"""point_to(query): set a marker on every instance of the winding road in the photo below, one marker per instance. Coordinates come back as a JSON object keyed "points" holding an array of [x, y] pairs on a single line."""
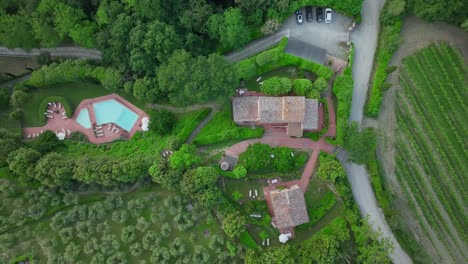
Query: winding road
{"points": [[365, 40]]}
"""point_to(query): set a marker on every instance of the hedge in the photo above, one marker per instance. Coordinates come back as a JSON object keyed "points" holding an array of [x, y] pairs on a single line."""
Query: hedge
{"points": [[58, 99], [302, 87], [277, 86], [238, 133], [74, 70], [276, 58], [389, 39], [343, 90]]}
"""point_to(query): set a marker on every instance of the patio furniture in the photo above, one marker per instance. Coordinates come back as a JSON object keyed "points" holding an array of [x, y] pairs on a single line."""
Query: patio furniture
{"points": [[64, 117], [29, 136], [68, 131], [59, 105], [54, 104], [49, 111], [49, 103], [49, 116]]}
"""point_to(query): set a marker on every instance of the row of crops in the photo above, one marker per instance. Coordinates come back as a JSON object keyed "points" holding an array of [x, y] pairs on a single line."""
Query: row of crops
{"points": [[432, 156]]}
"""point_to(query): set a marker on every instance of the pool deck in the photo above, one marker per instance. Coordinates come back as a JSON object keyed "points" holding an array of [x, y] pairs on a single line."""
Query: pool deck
{"points": [[58, 124]]}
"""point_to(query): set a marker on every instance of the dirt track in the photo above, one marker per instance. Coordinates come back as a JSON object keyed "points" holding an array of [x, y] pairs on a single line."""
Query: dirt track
{"points": [[415, 35]]}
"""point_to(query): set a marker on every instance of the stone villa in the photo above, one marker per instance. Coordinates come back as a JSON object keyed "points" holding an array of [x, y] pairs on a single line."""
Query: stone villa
{"points": [[295, 113]]}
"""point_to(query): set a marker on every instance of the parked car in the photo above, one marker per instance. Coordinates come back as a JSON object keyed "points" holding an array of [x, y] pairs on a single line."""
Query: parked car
{"points": [[328, 15], [319, 14], [299, 16], [309, 12]]}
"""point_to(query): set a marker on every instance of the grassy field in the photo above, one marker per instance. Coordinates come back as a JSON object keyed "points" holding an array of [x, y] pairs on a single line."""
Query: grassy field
{"points": [[150, 210], [432, 156], [222, 127]]}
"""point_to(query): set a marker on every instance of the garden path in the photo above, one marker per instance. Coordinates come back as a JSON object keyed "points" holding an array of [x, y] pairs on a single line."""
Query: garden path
{"points": [[72, 52]]}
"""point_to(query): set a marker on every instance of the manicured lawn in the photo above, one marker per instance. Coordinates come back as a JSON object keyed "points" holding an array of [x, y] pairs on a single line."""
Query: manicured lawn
{"points": [[8, 123], [247, 240], [222, 127]]}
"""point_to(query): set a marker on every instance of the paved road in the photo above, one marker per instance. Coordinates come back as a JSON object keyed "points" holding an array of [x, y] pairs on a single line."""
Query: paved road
{"points": [[365, 40], [257, 46], [72, 52]]}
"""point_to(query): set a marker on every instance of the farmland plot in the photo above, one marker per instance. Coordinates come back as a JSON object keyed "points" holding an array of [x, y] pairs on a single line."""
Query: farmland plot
{"points": [[431, 150]]}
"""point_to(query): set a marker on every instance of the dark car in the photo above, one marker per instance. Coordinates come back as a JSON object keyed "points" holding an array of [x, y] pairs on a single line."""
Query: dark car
{"points": [[319, 14], [299, 16], [309, 12]]}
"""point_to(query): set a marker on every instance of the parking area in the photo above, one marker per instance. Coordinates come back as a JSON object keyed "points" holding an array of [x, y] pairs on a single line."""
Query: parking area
{"points": [[322, 36]]}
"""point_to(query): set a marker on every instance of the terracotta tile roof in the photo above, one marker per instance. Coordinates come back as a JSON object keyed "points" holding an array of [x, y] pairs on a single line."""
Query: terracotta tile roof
{"points": [[270, 109], [294, 129], [245, 109], [289, 207], [311, 116], [293, 108]]}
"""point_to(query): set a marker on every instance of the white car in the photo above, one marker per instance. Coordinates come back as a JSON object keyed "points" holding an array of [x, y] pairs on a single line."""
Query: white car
{"points": [[328, 15]]}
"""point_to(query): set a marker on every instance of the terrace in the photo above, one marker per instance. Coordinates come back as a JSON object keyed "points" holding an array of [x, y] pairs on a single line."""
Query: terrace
{"points": [[103, 119]]}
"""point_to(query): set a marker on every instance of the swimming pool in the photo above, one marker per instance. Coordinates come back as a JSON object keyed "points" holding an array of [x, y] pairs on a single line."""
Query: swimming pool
{"points": [[83, 118], [112, 111]]}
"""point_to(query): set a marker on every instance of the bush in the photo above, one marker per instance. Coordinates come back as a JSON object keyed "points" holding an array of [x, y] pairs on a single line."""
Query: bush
{"points": [[240, 172], [276, 86], [74, 70], [16, 114], [247, 68], [57, 99], [4, 98], [343, 89], [320, 84], [302, 87], [19, 98], [268, 57]]}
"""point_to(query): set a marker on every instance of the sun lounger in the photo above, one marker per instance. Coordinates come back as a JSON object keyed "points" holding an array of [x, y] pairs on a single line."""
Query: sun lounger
{"points": [[49, 103], [117, 131], [46, 113], [54, 104], [109, 127], [49, 116], [99, 127], [59, 105], [29, 136], [49, 111], [64, 117]]}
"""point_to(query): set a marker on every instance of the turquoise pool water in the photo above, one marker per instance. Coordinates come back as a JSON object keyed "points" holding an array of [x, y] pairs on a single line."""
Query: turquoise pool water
{"points": [[112, 111], [83, 118]]}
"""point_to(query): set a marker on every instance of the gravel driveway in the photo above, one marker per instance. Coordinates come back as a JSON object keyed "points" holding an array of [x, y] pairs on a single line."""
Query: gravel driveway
{"points": [[329, 37], [365, 40], [73, 52]]}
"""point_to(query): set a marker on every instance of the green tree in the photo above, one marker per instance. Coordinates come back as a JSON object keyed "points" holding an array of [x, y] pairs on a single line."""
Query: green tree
{"points": [[232, 30], [161, 121], [7, 146], [161, 173], [4, 98], [83, 34], [360, 145], [258, 156], [184, 158], [19, 98], [145, 90], [54, 170], [276, 86], [200, 183], [188, 80], [66, 18], [281, 254], [46, 142], [240, 172], [22, 163], [16, 114], [233, 224], [15, 31], [320, 84], [302, 86], [195, 17], [330, 169], [372, 247]]}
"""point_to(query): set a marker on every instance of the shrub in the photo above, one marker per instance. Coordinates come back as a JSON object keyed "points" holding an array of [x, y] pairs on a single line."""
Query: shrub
{"points": [[16, 114], [268, 57], [57, 99], [320, 84], [4, 98], [276, 86], [314, 94], [240, 172], [247, 68], [19, 98], [236, 196], [302, 87]]}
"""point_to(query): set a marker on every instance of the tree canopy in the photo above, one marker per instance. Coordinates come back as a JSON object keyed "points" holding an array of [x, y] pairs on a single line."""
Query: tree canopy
{"points": [[360, 145]]}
